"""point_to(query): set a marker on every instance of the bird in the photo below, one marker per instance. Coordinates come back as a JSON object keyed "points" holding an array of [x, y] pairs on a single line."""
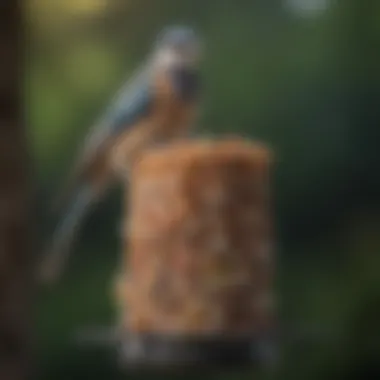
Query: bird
{"points": [[157, 104]]}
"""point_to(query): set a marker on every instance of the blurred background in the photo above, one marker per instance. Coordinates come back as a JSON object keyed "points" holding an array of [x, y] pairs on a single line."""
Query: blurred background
{"points": [[301, 75]]}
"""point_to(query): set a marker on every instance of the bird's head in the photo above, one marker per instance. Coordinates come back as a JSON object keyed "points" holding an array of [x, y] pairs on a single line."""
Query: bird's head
{"points": [[177, 47]]}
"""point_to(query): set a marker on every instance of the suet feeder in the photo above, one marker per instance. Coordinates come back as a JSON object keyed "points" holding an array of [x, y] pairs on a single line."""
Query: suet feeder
{"points": [[196, 283]]}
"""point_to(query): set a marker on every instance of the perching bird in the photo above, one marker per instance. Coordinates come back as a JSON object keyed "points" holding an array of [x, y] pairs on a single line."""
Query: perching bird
{"points": [[158, 104]]}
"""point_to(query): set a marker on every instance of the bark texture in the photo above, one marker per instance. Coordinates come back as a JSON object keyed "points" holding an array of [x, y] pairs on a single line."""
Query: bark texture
{"points": [[15, 258]]}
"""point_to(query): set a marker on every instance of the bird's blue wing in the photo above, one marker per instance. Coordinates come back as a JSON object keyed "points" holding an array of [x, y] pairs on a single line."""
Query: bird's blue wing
{"points": [[132, 103], [123, 114], [129, 110]]}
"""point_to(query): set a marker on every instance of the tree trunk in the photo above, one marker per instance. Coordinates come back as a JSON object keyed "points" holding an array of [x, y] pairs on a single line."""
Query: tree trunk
{"points": [[15, 264]]}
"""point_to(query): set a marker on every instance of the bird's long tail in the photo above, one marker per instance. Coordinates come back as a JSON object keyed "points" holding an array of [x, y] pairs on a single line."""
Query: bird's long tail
{"points": [[65, 234]]}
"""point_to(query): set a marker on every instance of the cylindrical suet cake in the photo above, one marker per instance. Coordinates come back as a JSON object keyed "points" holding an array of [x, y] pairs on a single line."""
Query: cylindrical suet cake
{"points": [[198, 262]]}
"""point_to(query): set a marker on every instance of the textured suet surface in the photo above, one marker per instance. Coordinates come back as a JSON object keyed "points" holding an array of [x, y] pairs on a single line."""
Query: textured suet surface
{"points": [[199, 257]]}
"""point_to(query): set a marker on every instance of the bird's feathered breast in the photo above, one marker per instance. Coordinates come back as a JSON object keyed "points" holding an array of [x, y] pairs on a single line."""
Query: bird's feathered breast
{"points": [[175, 98]]}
